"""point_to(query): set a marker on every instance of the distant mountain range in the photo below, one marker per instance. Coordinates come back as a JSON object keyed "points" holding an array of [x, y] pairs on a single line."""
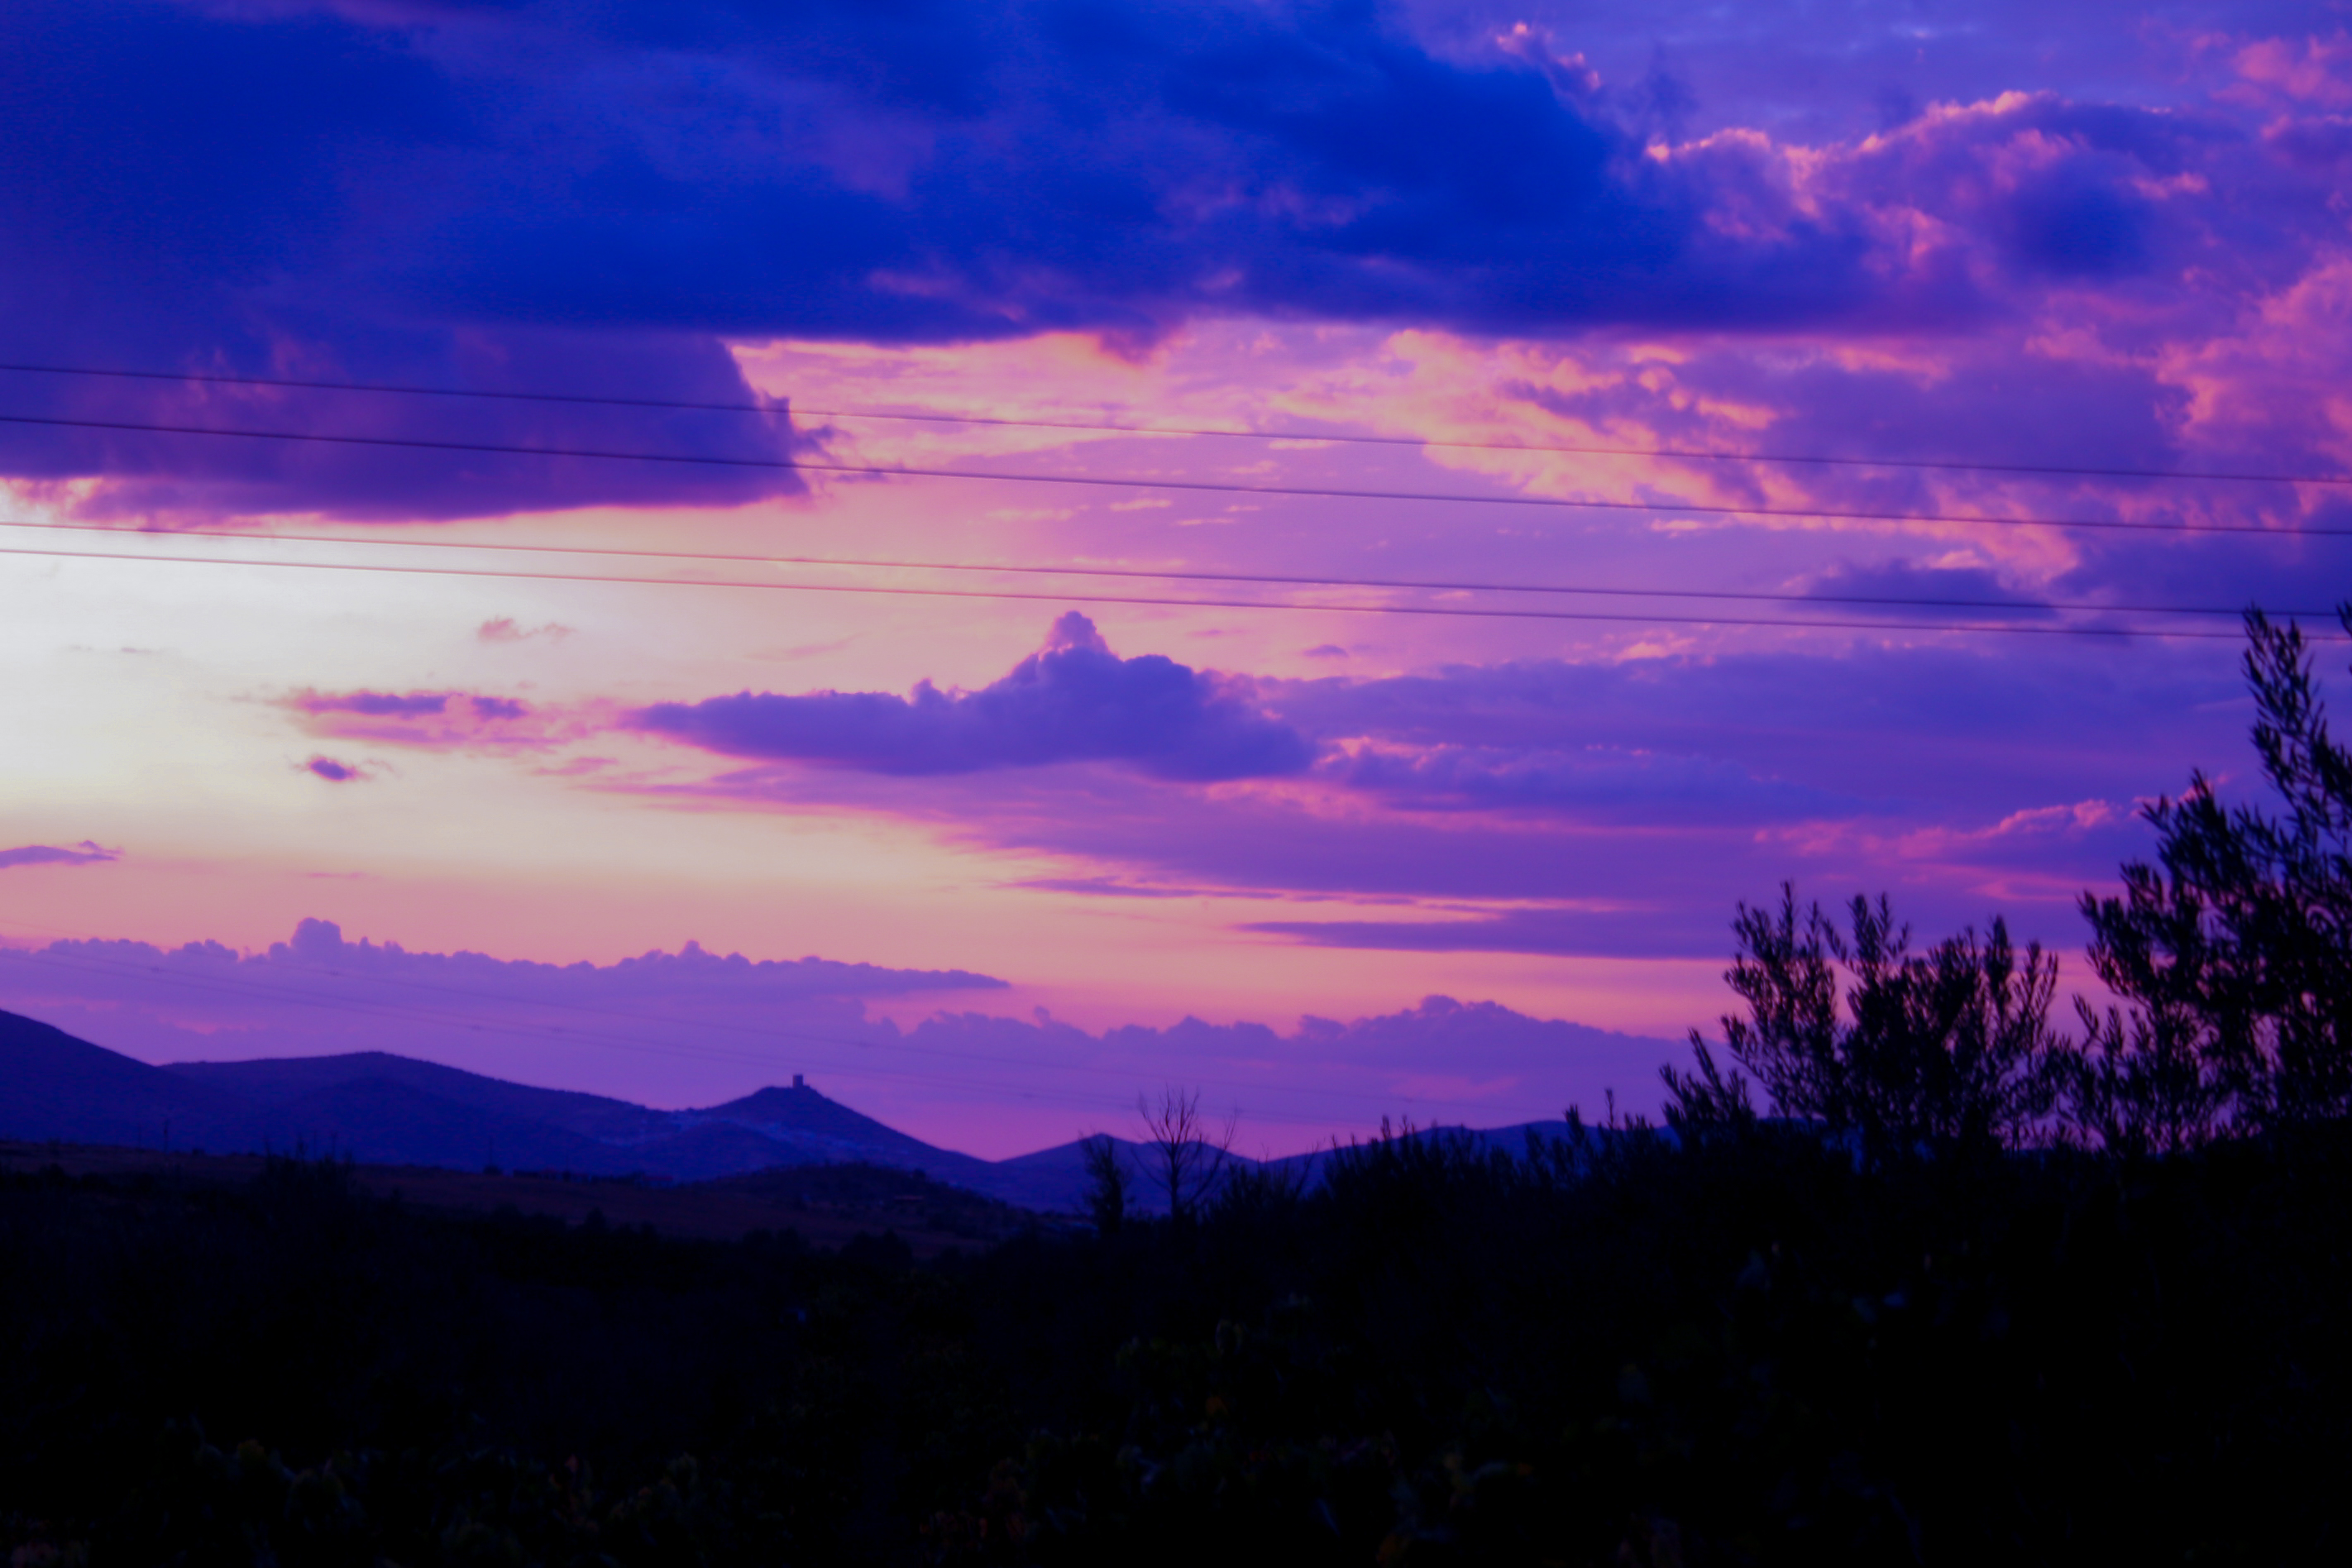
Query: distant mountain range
{"points": [[379, 1109]]}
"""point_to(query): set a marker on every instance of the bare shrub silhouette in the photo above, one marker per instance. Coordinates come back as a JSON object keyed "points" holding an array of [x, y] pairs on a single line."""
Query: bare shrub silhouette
{"points": [[1187, 1161]]}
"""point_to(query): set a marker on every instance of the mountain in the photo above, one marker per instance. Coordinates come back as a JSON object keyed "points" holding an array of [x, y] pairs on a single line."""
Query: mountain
{"points": [[53, 1085], [389, 1110], [824, 1132], [383, 1121], [1055, 1178], [282, 1080]]}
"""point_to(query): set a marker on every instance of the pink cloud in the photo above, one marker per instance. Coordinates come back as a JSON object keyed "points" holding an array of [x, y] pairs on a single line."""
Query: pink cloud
{"points": [[443, 720], [2308, 71], [506, 629]]}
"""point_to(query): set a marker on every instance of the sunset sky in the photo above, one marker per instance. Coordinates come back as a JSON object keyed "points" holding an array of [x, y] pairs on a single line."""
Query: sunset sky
{"points": [[1444, 500]]}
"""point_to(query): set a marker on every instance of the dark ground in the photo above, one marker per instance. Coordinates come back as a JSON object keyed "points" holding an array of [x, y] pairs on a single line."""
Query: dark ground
{"points": [[827, 1204], [1615, 1355]]}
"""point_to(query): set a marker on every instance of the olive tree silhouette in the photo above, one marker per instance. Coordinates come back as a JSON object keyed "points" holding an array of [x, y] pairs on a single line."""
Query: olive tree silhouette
{"points": [[2235, 948], [2138, 1086], [1186, 1163], [1948, 1050]]}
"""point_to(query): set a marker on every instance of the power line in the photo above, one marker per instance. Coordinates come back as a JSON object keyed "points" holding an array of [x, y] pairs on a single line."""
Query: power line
{"points": [[1452, 611], [1105, 427], [1218, 487], [1141, 573]]}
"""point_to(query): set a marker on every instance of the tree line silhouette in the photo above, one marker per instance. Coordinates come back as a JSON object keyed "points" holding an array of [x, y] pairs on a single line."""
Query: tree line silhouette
{"points": [[2232, 954], [1909, 1275]]}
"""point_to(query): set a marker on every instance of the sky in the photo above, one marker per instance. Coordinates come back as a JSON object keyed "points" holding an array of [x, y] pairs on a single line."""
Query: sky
{"points": [[1006, 557]]}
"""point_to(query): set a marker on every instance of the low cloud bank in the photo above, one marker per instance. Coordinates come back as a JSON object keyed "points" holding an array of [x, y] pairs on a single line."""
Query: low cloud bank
{"points": [[693, 1028]]}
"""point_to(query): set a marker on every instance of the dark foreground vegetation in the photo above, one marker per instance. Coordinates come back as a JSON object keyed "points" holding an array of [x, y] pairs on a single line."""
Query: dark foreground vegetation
{"points": [[1748, 1352], [1911, 1276]]}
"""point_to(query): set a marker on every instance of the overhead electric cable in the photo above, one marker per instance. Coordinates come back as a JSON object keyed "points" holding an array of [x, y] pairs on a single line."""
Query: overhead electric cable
{"points": [[2060, 470], [1219, 487], [1457, 611], [1143, 573]]}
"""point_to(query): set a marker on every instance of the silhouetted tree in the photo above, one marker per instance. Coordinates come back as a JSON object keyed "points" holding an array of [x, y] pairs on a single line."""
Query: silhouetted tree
{"points": [[2235, 948], [1185, 1161], [1948, 1050], [2137, 1084]]}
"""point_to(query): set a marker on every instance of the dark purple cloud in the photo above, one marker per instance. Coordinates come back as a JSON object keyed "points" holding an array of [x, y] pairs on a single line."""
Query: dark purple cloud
{"points": [[375, 704], [408, 704], [1074, 702], [1951, 729], [1933, 590], [1594, 782], [332, 770], [586, 198], [83, 854]]}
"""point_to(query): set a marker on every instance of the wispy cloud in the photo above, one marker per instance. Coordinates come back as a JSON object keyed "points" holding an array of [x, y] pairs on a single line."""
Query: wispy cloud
{"points": [[83, 854]]}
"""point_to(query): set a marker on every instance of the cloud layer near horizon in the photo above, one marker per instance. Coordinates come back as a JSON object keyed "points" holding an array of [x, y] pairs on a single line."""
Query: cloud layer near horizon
{"points": [[692, 1026]]}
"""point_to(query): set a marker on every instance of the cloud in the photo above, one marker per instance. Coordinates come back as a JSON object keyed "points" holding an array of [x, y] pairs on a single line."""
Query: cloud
{"points": [[210, 981], [1596, 781], [504, 629], [1074, 702], [1937, 588], [83, 854], [444, 719], [335, 772], [1440, 1060], [596, 200], [1951, 728], [1614, 932], [375, 704]]}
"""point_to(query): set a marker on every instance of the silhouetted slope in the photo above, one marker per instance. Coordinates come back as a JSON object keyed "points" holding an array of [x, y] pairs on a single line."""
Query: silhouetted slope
{"points": [[721, 1149], [821, 1130], [383, 1122], [1057, 1178], [53, 1085], [278, 1080]]}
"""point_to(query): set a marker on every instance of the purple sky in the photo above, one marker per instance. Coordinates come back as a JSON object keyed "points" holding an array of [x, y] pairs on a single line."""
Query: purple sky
{"points": [[1033, 823]]}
